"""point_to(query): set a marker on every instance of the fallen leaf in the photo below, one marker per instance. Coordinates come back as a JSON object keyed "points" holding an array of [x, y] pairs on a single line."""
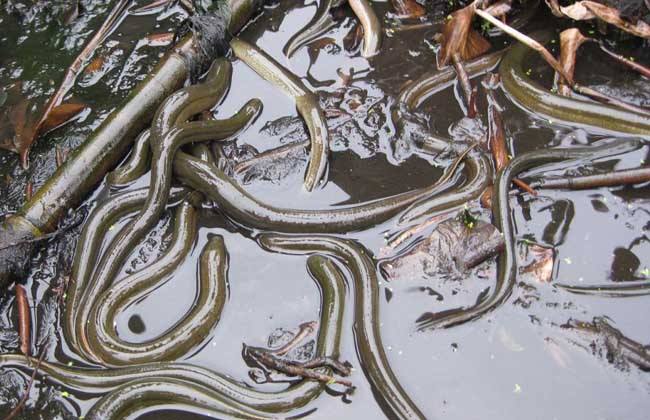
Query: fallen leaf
{"points": [[586, 10], [541, 267], [577, 11], [408, 9], [95, 65], [458, 37], [570, 40], [61, 115]]}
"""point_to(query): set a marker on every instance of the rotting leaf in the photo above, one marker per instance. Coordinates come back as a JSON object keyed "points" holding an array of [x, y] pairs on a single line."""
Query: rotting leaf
{"points": [[458, 37], [586, 10], [61, 115], [19, 123], [95, 65], [408, 9], [570, 40], [541, 266], [26, 133]]}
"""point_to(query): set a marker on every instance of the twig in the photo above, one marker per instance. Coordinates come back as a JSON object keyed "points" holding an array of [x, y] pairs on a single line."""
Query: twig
{"points": [[643, 70], [268, 360], [24, 320], [622, 177]]}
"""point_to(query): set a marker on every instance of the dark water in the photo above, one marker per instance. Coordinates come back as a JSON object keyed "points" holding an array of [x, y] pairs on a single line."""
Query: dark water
{"points": [[514, 363]]}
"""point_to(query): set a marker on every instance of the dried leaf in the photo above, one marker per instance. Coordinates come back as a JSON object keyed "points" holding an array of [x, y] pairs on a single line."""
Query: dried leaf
{"points": [[95, 65], [24, 320], [585, 10], [541, 268], [475, 46], [455, 33], [570, 40], [61, 115], [408, 9], [577, 11], [499, 9], [459, 38]]}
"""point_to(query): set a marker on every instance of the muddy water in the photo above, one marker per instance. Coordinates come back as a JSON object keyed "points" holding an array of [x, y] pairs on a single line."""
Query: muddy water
{"points": [[515, 363]]}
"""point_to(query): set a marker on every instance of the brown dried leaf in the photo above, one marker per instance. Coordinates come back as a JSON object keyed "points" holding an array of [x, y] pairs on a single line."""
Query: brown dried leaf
{"points": [[455, 33], [22, 120], [585, 10], [408, 9], [95, 65], [541, 268], [570, 40], [61, 115], [499, 9], [475, 46], [459, 38], [577, 11]]}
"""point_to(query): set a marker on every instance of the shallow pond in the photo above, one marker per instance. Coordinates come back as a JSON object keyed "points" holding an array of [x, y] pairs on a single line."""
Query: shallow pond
{"points": [[517, 361]]}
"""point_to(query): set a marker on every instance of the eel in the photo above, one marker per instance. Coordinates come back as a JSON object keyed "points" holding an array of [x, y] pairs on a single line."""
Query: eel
{"points": [[318, 25], [195, 325], [534, 98], [507, 260], [108, 144], [387, 390], [120, 247], [479, 176], [306, 103], [193, 379], [371, 27], [89, 244], [135, 166], [416, 92], [247, 210]]}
